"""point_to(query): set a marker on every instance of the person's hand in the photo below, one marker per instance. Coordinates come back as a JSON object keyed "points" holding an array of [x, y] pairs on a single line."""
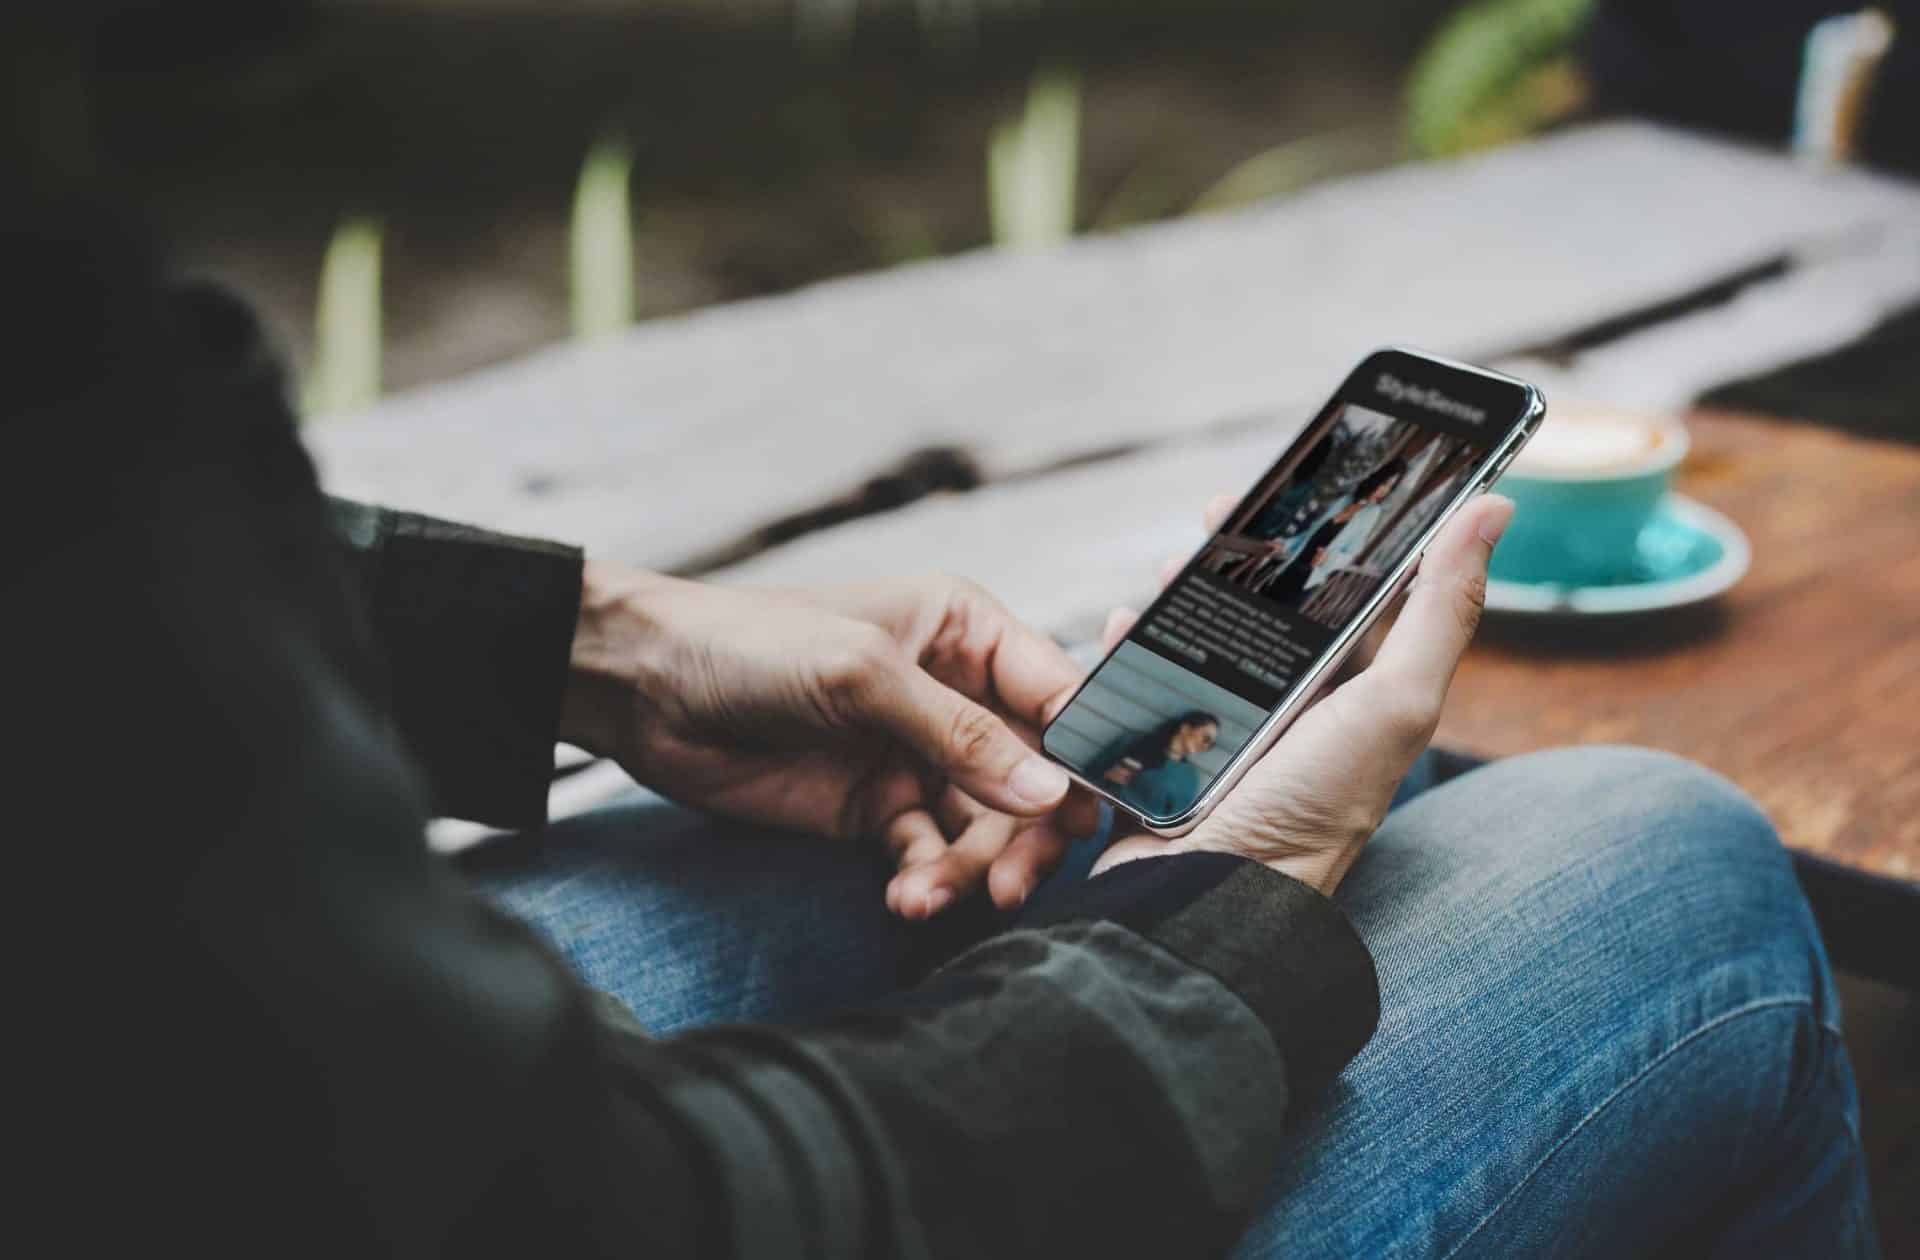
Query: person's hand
{"points": [[1311, 803], [900, 711]]}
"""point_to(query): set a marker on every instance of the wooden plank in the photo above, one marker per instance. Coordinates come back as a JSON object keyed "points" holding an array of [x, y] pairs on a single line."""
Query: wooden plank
{"points": [[1060, 550], [1145, 502], [688, 432], [1802, 686], [1836, 292]]}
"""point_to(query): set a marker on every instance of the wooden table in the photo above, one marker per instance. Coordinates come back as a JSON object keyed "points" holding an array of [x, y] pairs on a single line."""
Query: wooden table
{"points": [[1089, 398], [1802, 684]]}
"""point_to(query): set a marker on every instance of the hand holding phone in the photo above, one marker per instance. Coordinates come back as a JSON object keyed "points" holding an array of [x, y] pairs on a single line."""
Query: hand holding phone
{"points": [[1256, 626], [1311, 803]]}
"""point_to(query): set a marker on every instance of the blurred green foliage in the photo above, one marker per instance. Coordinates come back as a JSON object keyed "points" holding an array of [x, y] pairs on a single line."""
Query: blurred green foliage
{"points": [[1289, 168], [1494, 70], [346, 327], [600, 241], [1033, 165]]}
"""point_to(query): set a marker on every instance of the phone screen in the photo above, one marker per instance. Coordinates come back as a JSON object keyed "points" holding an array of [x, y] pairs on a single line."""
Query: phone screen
{"points": [[1300, 561]]}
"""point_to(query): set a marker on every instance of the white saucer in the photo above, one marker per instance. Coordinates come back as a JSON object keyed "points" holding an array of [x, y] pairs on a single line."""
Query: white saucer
{"points": [[1688, 554]]}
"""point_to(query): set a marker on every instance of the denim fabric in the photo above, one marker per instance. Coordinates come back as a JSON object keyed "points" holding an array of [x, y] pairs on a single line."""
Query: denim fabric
{"points": [[1607, 1028], [1607, 1025]]}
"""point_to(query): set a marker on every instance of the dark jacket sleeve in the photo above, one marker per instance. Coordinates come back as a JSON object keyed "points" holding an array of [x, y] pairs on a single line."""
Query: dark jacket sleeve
{"points": [[314, 1038], [1112, 1081], [474, 629]]}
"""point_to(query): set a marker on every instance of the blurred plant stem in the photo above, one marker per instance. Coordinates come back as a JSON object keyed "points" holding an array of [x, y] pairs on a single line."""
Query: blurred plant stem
{"points": [[600, 241], [1160, 185], [1033, 165], [1152, 188], [346, 323], [1494, 71], [1290, 167]]}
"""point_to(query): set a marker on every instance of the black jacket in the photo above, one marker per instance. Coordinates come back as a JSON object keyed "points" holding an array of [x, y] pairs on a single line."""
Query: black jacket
{"points": [[264, 1019]]}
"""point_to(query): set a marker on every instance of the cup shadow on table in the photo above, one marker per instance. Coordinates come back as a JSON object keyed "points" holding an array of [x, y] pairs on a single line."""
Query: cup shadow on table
{"points": [[1609, 637]]}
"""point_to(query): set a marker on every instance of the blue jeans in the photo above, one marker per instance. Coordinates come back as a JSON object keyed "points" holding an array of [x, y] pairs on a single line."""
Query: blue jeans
{"points": [[1607, 1024]]}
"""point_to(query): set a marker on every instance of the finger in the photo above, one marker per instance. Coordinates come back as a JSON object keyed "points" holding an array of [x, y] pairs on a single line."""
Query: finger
{"points": [[1078, 815], [1029, 676], [965, 742], [1119, 622], [928, 888], [1130, 849], [1031, 855], [1369, 645], [955, 811], [914, 839], [1443, 606], [874, 805]]}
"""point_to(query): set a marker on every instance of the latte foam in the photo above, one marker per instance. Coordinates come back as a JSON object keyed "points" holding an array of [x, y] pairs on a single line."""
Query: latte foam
{"points": [[1589, 445]]}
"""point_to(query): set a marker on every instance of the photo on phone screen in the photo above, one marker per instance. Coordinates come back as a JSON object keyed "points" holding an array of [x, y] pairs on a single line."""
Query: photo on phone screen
{"points": [[1297, 562]]}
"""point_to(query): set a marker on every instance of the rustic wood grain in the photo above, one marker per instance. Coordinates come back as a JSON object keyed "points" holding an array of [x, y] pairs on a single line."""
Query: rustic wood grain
{"points": [[1802, 684], [686, 434]]}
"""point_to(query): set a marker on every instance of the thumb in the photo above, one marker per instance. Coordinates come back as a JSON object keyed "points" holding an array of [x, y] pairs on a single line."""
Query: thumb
{"points": [[973, 748], [1444, 605]]}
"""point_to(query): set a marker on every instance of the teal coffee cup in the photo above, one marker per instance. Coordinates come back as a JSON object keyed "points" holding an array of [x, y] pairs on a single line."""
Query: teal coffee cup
{"points": [[1583, 489]]}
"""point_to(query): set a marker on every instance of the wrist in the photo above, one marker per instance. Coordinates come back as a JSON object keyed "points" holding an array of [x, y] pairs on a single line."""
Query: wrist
{"points": [[1321, 872], [617, 641], [1320, 869]]}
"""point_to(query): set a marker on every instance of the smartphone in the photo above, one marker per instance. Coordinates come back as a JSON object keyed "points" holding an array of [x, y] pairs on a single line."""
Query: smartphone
{"points": [[1260, 619]]}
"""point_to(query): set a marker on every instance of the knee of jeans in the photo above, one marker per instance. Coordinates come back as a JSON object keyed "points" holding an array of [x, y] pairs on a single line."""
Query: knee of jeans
{"points": [[1600, 794], [1690, 854]]}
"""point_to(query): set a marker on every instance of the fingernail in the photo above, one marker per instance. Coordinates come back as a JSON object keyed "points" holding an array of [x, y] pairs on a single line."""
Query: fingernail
{"points": [[937, 901], [1494, 523], [1040, 782]]}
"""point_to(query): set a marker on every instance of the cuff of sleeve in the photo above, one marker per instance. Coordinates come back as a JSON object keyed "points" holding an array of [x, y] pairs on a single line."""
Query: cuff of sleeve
{"points": [[478, 628], [1287, 951]]}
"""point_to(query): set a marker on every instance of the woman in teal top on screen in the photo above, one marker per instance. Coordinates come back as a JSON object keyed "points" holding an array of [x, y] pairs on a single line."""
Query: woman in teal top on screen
{"points": [[1154, 773]]}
